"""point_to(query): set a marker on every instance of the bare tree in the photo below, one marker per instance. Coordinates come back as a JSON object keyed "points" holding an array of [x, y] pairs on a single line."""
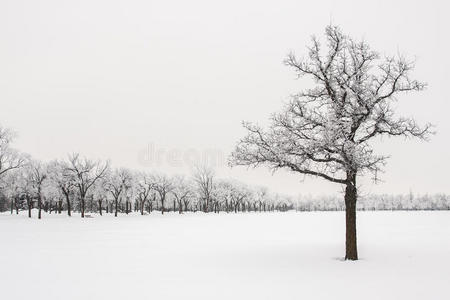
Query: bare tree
{"points": [[144, 188], [204, 178], [116, 184], [11, 186], [129, 192], [183, 193], [86, 172], [326, 131], [261, 198], [10, 159], [37, 176], [99, 192], [65, 181], [26, 188], [238, 194], [163, 186]]}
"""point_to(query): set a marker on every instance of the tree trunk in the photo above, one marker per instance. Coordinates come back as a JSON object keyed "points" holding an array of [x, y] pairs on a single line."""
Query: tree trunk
{"points": [[351, 252], [82, 205], [100, 207], [30, 206], [39, 204], [115, 212], [68, 205]]}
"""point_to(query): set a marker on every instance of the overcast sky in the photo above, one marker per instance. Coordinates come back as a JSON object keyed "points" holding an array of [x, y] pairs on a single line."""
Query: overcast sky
{"points": [[157, 85]]}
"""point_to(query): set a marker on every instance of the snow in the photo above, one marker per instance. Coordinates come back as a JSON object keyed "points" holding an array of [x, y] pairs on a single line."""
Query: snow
{"points": [[404, 255]]}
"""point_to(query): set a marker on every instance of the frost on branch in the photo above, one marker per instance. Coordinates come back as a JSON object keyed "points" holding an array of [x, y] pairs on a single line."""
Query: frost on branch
{"points": [[326, 131]]}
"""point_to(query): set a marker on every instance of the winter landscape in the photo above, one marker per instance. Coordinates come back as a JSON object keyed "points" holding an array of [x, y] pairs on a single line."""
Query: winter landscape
{"points": [[224, 150]]}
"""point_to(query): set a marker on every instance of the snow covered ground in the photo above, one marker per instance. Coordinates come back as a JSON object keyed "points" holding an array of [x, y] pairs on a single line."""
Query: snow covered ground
{"points": [[404, 255]]}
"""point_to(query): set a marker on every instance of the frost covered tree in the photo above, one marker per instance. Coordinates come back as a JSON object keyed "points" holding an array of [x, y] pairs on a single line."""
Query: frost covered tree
{"points": [[182, 192], [10, 159], [163, 185], [64, 180], [117, 183], [85, 173], [144, 188], [99, 194], [326, 131], [11, 187], [204, 179], [261, 197], [37, 176], [239, 193]]}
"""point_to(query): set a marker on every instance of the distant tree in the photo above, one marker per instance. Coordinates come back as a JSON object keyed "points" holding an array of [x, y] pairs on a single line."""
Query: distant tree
{"points": [[163, 185], [204, 178], [144, 187], [239, 193], [99, 193], [116, 184], [182, 192], [261, 197], [10, 159], [85, 172], [129, 193], [37, 175], [64, 179], [222, 192], [11, 185], [326, 131]]}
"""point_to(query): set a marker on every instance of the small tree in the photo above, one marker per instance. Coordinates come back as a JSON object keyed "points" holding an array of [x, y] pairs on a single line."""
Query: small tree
{"points": [[326, 131]]}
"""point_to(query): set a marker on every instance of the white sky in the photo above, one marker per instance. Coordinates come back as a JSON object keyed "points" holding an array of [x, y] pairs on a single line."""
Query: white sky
{"points": [[111, 79]]}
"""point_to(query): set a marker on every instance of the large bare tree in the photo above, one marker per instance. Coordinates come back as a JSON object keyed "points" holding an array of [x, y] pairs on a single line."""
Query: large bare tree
{"points": [[326, 131]]}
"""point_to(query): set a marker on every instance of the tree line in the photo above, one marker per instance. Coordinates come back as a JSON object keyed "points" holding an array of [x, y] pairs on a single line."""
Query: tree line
{"points": [[406, 202], [82, 185]]}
